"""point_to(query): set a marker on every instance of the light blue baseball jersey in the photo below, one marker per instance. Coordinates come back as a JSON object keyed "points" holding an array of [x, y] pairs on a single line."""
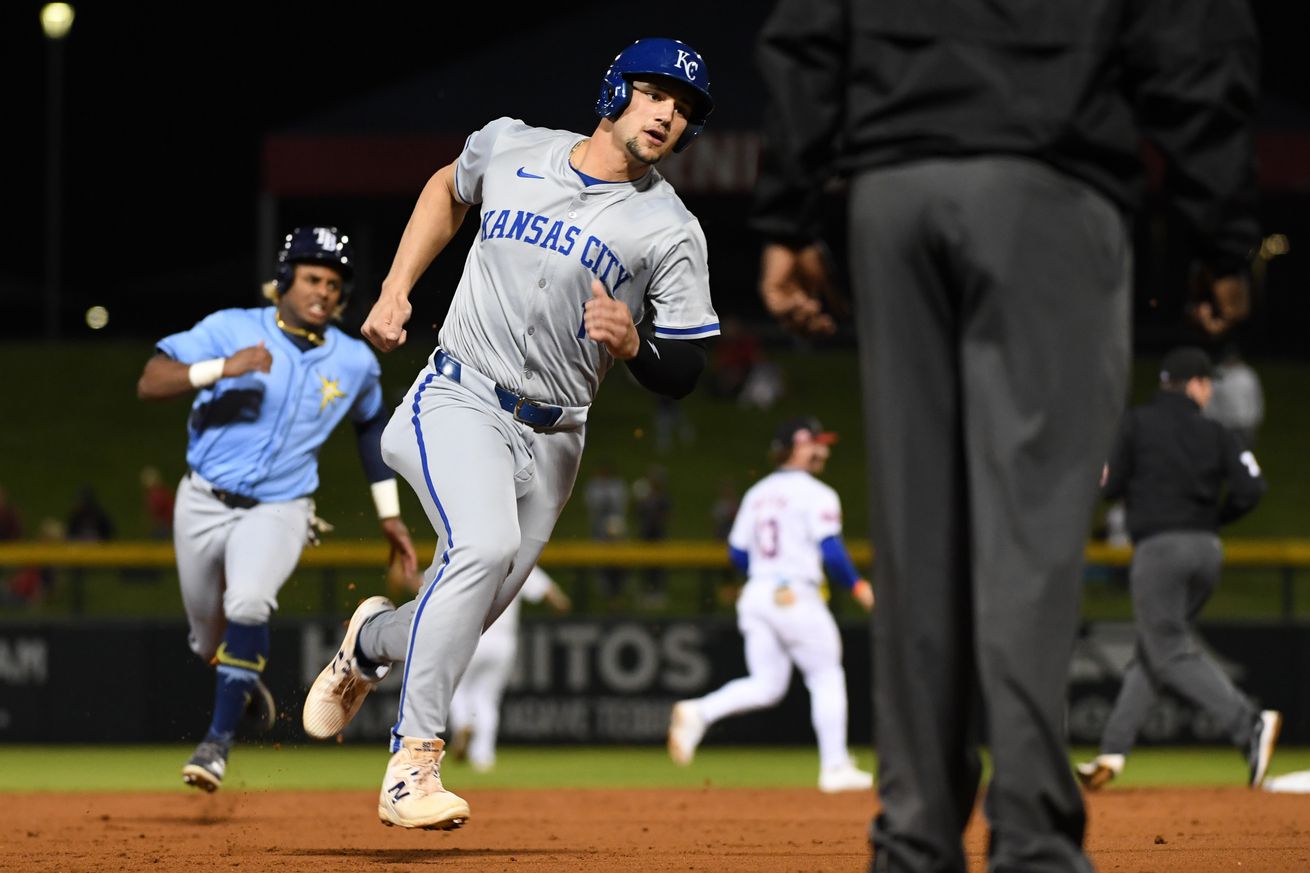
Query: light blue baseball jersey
{"points": [[544, 235], [259, 434]]}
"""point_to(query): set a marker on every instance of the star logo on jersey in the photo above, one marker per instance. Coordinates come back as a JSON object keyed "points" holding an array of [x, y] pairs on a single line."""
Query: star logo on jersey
{"points": [[524, 174], [331, 390]]}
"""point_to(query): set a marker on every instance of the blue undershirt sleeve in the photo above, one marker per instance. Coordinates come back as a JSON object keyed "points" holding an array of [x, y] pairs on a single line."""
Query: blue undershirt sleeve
{"points": [[368, 436], [837, 562], [740, 558]]}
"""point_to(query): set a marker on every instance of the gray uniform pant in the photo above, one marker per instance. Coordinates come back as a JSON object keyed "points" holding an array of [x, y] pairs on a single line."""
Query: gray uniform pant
{"points": [[231, 563], [1172, 576], [492, 489], [992, 304]]}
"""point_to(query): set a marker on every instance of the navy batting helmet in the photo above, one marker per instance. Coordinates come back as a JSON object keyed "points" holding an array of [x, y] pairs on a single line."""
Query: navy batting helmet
{"points": [[805, 428], [315, 245], [661, 58]]}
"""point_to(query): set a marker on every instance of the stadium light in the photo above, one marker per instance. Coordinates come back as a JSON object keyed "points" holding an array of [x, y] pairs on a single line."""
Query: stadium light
{"points": [[56, 21]]}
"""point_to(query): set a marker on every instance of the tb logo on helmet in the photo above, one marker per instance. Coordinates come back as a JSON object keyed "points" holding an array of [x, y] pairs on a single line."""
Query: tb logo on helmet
{"points": [[316, 245], [327, 238]]}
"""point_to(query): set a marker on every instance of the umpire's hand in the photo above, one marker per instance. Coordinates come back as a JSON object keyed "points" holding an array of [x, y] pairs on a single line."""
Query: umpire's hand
{"points": [[793, 282], [1226, 301]]}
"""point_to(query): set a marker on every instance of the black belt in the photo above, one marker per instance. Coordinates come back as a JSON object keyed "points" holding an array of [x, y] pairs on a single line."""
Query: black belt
{"points": [[231, 499], [530, 412]]}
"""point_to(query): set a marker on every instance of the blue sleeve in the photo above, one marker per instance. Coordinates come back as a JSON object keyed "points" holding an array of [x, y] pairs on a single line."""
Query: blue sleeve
{"points": [[370, 417], [369, 404], [740, 558], [368, 438], [837, 562], [208, 339]]}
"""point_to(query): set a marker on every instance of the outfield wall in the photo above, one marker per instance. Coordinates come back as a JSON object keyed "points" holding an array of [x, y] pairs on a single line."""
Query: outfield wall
{"points": [[579, 681]]}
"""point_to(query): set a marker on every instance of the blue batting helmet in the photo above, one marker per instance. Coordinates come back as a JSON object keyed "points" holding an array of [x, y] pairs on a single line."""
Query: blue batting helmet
{"points": [[315, 245], [662, 58]]}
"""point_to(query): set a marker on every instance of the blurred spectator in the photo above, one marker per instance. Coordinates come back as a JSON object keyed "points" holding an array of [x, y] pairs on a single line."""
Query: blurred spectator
{"points": [[30, 585], [87, 521], [724, 509], [11, 523], [1238, 400], [672, 427], [606, 498], [722, 513], [11, 528], [764, 386], [653, 507], [158, 504], [741, 370], [1116, 525], [736, 353], [1113, 531]]}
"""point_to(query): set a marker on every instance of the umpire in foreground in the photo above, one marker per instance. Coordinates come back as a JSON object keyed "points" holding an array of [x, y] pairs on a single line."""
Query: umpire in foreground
{"points": [[1182, 476], [993, 157]]}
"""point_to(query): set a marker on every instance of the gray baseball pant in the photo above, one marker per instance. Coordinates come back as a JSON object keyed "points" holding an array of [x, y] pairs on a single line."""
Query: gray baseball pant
{"points": [[231, 563], [1172, 576], [992, 301], [492, 489]]}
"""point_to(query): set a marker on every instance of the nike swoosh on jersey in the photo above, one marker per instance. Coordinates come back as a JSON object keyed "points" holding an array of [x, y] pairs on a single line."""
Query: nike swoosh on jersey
{"points": [[525, 175]]}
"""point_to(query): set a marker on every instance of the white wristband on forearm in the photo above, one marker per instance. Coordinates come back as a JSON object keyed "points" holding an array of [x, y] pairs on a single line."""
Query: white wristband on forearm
{"points": [[205, 373], [386, 497]]}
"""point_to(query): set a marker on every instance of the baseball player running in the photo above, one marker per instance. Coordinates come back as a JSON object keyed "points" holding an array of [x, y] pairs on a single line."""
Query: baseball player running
{"points": [[580, 240], [475, 708], [788, 525], [271, 383]]}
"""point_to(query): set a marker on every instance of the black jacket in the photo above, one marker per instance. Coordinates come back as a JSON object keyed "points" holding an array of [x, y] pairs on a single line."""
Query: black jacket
{"points": [[1171, 464], [855, 84]]}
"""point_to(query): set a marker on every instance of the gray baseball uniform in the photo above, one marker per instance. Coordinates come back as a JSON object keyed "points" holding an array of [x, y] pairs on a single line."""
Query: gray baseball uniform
{"points": [[491, 433]]}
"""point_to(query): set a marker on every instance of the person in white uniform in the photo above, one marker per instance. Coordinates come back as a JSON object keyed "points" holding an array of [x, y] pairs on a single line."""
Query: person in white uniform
{"points": [[475, 708], [584, 256], [786, 534]]}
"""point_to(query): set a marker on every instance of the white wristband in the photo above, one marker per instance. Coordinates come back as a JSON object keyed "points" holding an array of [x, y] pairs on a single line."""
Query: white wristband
{"points": [[386, 497], [205, 373]]}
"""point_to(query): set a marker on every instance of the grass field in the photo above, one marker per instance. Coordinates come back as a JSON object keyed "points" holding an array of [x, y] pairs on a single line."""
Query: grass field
{"points": [[95, 432], [1244, 594], [252, 768], [108, 436]]}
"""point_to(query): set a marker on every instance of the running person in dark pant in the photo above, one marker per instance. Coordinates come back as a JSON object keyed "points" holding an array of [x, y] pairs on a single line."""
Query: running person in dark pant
{"points": [[993, 154], [1171, 465]]}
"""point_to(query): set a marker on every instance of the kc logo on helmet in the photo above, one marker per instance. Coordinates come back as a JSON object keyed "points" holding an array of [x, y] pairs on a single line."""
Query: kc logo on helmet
{"points": [[689, 65]]}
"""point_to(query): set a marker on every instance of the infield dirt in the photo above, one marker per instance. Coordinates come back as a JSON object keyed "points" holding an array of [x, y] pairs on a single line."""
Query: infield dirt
{"points": [[712, 829]]}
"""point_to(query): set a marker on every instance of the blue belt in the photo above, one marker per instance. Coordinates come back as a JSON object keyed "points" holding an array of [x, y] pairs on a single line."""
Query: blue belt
{"points": [[530, 412]]}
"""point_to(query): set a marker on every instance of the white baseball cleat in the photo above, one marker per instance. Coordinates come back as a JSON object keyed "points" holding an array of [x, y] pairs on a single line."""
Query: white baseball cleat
{"points": [[844, 777], [412, 794], [1098, 772], [341, 686], [686, 728]]}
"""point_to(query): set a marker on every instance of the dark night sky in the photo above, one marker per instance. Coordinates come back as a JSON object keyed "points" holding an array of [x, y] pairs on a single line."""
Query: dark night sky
{"points": [[164, 117]]}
